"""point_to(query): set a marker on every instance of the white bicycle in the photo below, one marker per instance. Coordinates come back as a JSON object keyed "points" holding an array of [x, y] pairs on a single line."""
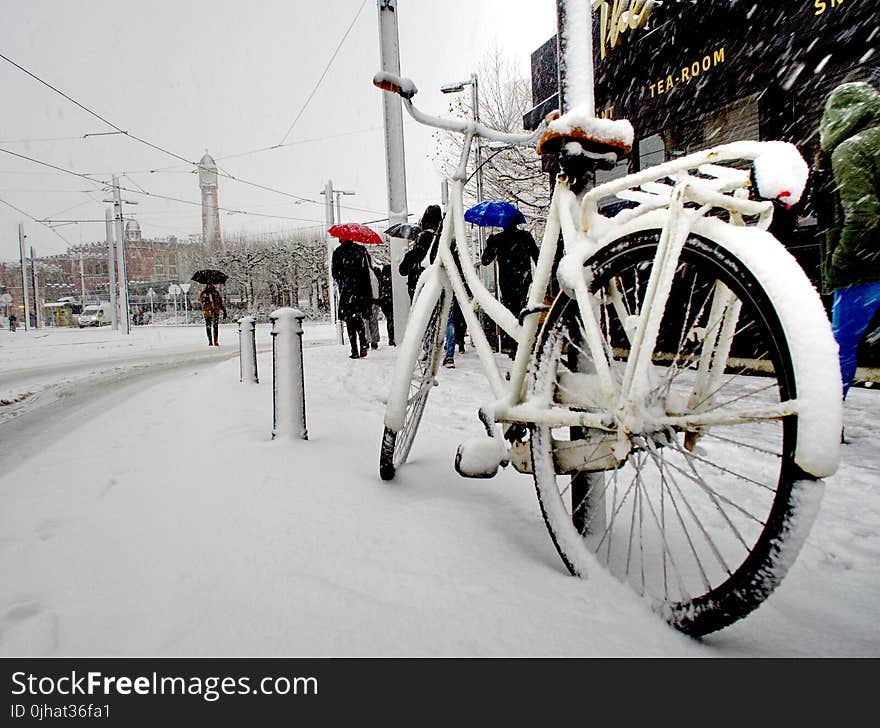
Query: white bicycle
{"points": [[675, 393]]}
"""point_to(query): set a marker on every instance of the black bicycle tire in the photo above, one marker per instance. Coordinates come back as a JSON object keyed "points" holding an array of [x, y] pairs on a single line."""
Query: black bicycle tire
{"points": [[394, 452], [767, 563]]}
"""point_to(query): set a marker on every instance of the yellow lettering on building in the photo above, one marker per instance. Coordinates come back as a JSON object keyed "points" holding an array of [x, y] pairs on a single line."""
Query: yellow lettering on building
{"points": [[822, 5], [688, 72], [618, 17]]}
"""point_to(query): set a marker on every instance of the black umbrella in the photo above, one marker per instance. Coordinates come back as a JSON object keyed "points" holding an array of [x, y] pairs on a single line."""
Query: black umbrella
{"points": [[404, 230], [209, 275]]}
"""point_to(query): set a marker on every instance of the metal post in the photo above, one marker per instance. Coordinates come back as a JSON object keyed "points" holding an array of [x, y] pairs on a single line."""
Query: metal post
{"points": [[575, 20], [34, 284], [339, 194], [24, 290], [331, 246], [478, 150], [82, 276], [395, 157], [288, 385], [247, 349], [111, 267], [121, 271]]}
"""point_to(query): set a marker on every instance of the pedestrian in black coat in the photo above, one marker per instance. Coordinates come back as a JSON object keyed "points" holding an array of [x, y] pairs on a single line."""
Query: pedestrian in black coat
{"points": [[514, 249], [411, 264], [350, 268], [386, 302]]}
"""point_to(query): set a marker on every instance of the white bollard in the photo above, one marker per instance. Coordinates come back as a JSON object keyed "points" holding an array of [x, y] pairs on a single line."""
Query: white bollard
{"points": [[247, 349], [289, 393]]}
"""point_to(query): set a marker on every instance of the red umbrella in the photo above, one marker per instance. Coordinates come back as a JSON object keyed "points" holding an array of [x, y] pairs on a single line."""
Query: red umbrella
{"points": [[357, 232]]}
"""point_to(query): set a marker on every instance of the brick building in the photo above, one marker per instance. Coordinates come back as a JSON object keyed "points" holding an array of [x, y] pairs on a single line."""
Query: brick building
{"points": [[151, 263]]}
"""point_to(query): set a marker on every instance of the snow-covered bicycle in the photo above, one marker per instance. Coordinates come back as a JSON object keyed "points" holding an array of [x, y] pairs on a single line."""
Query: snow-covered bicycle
{"points": [[675, 392]]}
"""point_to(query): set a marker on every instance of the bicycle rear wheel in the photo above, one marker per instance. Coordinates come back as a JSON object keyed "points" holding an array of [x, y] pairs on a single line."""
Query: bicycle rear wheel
{"points": [[396, 443], [703, 521]]}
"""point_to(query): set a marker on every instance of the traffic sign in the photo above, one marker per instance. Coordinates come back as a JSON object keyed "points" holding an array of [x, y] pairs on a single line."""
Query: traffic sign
{"points": [[185, 287], [5, 299], [174, 289], [151, 293]]}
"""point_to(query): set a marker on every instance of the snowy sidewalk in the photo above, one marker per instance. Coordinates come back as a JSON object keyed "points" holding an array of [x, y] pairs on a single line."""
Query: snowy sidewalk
{"points": [[175, 526]]}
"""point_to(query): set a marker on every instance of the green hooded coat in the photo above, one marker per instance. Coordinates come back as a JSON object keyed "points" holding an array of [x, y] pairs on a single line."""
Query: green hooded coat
{"points": [[850, 133]]}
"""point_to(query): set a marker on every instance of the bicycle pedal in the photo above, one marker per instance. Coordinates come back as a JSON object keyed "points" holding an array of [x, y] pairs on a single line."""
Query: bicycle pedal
{"points": [[480, 457]]}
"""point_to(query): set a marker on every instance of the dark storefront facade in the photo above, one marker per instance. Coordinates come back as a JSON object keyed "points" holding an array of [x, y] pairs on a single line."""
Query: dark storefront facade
{"points": [[696, 73]]}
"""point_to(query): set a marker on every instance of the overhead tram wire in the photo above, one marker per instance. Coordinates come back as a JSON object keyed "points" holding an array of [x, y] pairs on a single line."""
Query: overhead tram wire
{"points": [[39, 222], [93, 113], [105, 183], [323, 73], [190, 163]]}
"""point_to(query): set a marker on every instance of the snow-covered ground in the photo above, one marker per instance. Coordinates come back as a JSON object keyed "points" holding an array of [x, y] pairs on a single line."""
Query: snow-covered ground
{"points": [[146, 511]]}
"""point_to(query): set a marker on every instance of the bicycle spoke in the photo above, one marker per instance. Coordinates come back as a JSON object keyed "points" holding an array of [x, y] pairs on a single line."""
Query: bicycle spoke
{"points": [[676, 520], [740, 443], [728, 471]]}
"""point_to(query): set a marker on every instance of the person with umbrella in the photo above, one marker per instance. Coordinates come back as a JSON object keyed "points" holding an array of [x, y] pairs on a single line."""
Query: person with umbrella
{"points": [[411, 263], [514, 249], [212, 305], [350, 269]]}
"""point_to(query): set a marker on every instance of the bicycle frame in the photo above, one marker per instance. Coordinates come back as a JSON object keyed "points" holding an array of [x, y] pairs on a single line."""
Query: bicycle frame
{"points": [[584, 230]]}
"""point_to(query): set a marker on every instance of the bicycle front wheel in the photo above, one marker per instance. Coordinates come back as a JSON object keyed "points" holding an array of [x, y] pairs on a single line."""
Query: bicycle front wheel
{"points": [[422, 366], [702, 520]]}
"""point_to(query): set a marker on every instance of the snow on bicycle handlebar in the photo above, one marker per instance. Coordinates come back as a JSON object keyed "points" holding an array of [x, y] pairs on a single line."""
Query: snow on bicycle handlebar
{"points": [[407, 89]]}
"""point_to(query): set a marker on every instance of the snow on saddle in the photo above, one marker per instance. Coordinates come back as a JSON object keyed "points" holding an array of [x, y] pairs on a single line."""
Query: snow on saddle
{"points": [[599, 138]]}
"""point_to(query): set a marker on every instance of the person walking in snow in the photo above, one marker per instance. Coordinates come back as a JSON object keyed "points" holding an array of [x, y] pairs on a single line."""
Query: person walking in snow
{"points": [[371, 321], [212, 306], [13, 319], [386, 301], [411, 263], [514, 249], [849, 133], [350, 268]]}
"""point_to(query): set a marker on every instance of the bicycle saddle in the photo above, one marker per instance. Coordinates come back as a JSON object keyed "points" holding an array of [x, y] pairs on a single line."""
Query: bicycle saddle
{"points": [[596, 139]]}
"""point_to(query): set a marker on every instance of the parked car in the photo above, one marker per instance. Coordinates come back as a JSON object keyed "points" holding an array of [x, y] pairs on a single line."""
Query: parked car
{"points": [[96, 314]]}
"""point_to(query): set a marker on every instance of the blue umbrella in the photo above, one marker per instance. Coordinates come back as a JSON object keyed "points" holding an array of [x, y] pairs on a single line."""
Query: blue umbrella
{"points": [[494, 213]]}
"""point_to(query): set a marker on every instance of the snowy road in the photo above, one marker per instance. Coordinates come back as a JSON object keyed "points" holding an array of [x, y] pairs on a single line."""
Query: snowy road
{"points": [[188, 531]]}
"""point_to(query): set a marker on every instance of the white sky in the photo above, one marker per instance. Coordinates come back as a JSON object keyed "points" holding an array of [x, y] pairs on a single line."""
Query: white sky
{"points": [[228, 77]]}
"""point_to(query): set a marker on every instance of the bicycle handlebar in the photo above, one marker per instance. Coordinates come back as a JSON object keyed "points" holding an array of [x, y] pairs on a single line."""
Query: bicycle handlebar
{"points": [[406, 89]]}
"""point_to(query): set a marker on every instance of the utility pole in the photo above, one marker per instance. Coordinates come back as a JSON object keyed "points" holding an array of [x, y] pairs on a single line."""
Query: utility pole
{"points": [[395, 160], [34, 282], [82, 277], [339, 194], [24, 289], [111, 267], [328, 193], [121, 272]]}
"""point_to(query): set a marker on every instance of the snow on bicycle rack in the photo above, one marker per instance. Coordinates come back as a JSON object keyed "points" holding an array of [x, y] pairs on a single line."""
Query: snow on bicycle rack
{"points": [[778, 172]]}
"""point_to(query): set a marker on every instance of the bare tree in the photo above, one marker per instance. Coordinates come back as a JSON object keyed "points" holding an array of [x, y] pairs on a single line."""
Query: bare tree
{"points": [[509, 173]]}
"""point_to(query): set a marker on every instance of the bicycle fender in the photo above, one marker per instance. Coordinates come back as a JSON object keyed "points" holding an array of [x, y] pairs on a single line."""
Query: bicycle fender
{"points": [[806, 326]]}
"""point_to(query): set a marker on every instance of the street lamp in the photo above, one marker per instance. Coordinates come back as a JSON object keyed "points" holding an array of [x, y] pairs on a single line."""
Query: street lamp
{"points": [[489, 275], [452, 88]]}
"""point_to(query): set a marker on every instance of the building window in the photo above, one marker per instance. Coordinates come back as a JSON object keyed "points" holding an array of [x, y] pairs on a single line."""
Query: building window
{"points": [[172, 265], [160, 266]]}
